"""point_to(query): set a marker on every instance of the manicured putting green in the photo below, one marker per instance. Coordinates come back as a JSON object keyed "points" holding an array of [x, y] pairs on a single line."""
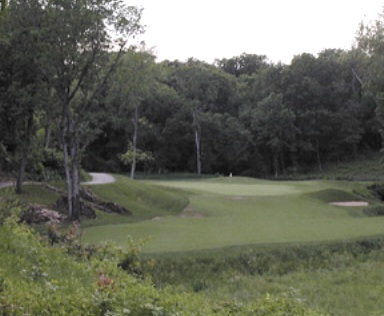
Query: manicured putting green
{"points": [[239, 211]]}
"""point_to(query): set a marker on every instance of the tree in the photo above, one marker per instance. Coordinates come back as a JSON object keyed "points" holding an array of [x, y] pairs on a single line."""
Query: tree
{"points": [[3, 5], [132, 83], [24, 91], [75, 39], [202, 87], [370, 44], [245, 64], [274, 124]]}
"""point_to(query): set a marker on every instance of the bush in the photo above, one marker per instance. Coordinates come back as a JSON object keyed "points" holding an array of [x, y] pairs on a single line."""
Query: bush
{"points": [[377, 190], [377, 210]]}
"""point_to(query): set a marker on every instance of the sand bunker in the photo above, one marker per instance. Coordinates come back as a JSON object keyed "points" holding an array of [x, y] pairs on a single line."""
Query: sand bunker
{"points": [[350, 203]]}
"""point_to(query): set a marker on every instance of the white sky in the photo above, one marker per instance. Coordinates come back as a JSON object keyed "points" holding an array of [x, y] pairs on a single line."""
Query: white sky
{"points": [[279, 29]]}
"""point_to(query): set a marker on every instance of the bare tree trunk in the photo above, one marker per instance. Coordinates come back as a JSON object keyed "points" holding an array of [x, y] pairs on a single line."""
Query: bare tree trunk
{"points": [[317, 148], [197, 141], [3, 4], [135, 121], [71, 163], [276, 163], [68, 173], [47, 135], [75, 181], [198, 151], [294, 160], [282, 162]]}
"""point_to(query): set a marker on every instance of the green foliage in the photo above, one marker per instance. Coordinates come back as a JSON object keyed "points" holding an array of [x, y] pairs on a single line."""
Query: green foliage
{"points": [[132, 155], [377, 190], [36, 279], [376, 210], [10, 207]]}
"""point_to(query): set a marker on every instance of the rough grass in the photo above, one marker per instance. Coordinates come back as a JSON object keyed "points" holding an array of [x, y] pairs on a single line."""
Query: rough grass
{"points": [[235, 211], [340, 278], [32, 194]]}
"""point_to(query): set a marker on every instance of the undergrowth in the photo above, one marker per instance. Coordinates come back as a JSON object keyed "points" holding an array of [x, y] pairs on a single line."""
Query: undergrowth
{"points": [[38, 279]]}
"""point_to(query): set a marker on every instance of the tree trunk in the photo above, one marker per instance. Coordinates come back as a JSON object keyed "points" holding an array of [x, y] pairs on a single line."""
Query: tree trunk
{"points": [[317, 148], [198, 152], [282, 162], [47, 135], [276, 164], [134, 140], [68, 173], [75, 181], [294, 160], [3, 5], [197, 142], [71, 162]]}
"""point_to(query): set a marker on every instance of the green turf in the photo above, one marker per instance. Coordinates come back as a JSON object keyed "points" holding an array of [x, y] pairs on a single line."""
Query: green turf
{"points": [[143, 200], [236, 211]]}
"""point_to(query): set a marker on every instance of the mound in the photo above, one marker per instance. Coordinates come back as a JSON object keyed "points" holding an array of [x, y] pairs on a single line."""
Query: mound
{"points": [[333, 195]]}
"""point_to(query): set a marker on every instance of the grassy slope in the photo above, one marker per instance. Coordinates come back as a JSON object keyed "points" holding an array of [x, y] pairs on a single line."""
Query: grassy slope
{"points": [[145, 202], [241, 211]]}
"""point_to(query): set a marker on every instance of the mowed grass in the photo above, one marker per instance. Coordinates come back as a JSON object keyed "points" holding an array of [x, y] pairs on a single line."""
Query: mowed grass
{"points": [[226, 212], [143, 200]]}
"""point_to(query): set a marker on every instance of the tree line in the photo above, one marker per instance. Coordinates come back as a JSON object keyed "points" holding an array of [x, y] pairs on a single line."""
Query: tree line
{"points": [[74, 93]]}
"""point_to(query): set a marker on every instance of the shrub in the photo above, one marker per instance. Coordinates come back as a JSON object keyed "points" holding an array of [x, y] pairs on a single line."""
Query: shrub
{"points": [[377, 190], [377, 210]]}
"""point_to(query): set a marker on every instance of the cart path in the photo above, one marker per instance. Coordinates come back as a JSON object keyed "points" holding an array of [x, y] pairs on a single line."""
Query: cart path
{"points": [[100, 178], [97, 178]]}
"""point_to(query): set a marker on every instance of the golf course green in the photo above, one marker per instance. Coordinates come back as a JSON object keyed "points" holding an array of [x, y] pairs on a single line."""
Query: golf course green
{"points": [[236, 211]]}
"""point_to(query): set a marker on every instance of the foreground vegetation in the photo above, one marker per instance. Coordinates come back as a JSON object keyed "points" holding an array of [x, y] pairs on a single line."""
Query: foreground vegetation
{"points": [[37, 279]]}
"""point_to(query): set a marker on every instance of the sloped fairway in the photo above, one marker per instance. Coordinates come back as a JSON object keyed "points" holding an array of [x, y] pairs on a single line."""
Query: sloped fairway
{"points": [[240, 211], [143, 200]]}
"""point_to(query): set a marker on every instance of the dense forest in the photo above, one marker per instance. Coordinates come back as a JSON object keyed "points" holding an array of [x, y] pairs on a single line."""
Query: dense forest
{"points": [[75, 94]]}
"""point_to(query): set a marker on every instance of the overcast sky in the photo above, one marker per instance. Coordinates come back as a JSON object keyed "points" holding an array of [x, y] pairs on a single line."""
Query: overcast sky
{"points": [[279, 29]]}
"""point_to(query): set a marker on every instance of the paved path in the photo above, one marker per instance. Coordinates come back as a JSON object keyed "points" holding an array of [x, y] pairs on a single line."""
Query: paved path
{"points": [[100, 178], [6, 184], [97, 178]]}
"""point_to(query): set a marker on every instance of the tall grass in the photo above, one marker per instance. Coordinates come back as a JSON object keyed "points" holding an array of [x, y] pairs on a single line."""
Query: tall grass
{"points": [[339, 278]]}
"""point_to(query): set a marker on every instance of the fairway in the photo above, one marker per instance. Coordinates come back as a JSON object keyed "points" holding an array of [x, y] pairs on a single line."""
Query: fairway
{"points": [[241, 211]]}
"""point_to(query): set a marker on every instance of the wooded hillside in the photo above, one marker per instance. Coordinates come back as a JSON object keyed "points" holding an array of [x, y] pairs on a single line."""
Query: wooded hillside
{"points": [[70, 99]]}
